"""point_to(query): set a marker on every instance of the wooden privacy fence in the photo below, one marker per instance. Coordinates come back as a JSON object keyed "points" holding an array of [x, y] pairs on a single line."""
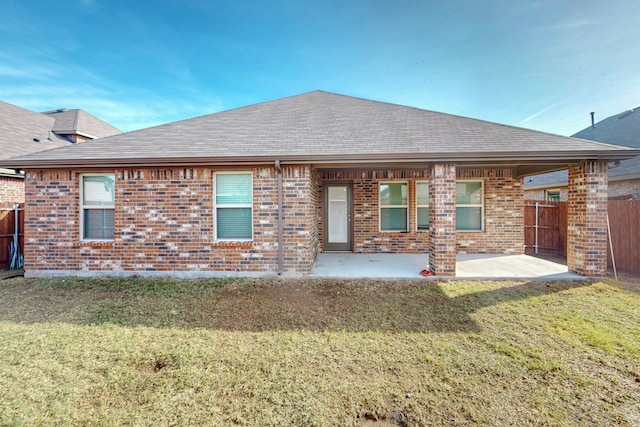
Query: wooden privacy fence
{"points": [[9, 233], [624, 217], [545, 228], [545, 231]]}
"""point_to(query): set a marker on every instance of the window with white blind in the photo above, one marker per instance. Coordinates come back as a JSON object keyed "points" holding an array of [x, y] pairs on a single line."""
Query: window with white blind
{"points": [[394, 206], [469, 205], [422, 205], [97, 197], [233, 199]]}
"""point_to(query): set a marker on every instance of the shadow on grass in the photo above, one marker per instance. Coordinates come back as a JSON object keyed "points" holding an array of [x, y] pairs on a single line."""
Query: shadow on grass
{"points": [[628, 280], [262, 305]]}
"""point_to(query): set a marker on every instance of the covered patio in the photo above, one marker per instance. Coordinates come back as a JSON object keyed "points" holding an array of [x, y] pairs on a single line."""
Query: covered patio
{"points": [[408, 266]]}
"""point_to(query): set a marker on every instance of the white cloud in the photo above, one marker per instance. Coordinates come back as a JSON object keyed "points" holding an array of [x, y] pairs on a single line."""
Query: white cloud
{"points": [[536, 114]]}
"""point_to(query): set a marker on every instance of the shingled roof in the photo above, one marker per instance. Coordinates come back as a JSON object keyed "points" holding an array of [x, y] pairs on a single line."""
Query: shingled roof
{"points": [[23, 132], [620, 129], [322, 128], [79, 122]]}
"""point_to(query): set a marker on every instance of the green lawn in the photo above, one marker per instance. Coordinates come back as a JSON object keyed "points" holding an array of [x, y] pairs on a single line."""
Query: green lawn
{"points": [[311, 352]]}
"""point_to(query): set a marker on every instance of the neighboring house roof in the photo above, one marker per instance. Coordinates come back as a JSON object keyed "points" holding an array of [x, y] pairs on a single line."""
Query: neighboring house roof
{"points": [[79, 122], [620, 129], [325, 128], [23, 132]]}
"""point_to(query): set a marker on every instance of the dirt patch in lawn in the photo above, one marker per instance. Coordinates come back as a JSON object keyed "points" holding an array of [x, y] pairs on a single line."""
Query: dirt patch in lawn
{"points": [[267, 305], [318, 352]]}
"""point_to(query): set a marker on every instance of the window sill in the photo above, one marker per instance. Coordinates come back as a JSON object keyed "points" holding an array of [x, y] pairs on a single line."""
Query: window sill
{"points": [[97, 242], [232, 244]]}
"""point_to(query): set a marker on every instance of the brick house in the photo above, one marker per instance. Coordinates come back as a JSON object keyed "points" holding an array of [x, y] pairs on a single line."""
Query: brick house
{"points": [[25, 132], [624, 177], [264, 188]]}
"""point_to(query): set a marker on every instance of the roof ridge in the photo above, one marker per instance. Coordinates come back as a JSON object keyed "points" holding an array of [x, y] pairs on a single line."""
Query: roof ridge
{"points": [[75, 118]]}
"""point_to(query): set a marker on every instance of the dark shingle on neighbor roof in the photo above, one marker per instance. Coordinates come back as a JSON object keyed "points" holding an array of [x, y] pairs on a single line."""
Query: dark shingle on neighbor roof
{"points": [[75, 121], [318, 124], [20, 128], [620, 129], [547, 180]]}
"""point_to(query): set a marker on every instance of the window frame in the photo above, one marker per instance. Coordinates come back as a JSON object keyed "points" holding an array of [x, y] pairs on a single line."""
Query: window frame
{"points": [[418, 205], [217, 206], [380, 207], [547, 193], [474, 205], [84, 207]]}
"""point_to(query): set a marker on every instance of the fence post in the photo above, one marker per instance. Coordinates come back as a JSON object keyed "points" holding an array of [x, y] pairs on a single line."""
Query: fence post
{"points": [[536, 243]]}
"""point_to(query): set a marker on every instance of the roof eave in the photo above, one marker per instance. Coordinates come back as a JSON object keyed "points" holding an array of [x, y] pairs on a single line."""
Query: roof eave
{"points": [[523, 157]]}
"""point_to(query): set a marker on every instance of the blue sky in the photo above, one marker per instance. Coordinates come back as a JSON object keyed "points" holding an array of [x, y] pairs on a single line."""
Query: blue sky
{"points": [[542, 64]]}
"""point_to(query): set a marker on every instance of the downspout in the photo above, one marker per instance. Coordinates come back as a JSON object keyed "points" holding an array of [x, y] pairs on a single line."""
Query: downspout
{"points": [[280, 219]]}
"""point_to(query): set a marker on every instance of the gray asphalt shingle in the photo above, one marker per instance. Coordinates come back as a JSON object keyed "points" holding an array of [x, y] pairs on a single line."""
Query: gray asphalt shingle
{"points": [[76, 121], [23, 132], [319, 124]]}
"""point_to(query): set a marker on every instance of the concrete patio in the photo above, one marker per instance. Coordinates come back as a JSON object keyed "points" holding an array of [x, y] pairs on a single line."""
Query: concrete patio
{"points": [[408, 266]]}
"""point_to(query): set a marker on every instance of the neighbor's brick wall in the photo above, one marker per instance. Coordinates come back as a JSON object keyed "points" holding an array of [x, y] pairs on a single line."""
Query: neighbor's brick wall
{"points": [[11, 190], [587, 219], [164, 222], [540, 195], [626, 188], [78, 138], [504, 212], [536, 195]]}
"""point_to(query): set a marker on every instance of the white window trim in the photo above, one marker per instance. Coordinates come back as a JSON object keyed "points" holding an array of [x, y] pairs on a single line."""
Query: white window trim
{"points": [[481, 206], [552, 190], [83, 207], [235, 205], [422, 206], [380, 207]]}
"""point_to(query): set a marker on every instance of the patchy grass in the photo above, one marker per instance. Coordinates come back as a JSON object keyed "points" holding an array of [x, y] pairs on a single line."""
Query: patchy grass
{"points": [[311, 352]]}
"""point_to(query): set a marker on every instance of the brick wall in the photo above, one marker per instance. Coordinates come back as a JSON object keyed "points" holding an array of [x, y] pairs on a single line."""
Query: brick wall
{"points": [[313, 212], [11, 189], [442, 220], [366, 224], [541, 194], [78, 138], [504, 212], [626, 188], [587, 219], [300, 228], [164, 222]]}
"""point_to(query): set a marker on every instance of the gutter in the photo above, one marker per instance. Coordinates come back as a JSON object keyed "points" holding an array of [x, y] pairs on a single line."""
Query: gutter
{"points": [[554, 157], [280, 219]]}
